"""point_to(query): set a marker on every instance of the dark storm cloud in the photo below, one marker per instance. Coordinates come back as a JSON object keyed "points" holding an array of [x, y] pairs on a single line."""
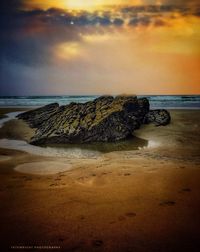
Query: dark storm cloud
{"points": [[8, 6], [118, 21], [145, 21], [27, 37]]}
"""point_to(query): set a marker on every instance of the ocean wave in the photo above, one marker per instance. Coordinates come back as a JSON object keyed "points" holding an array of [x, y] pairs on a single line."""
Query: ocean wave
{"points": [[156, 101]]}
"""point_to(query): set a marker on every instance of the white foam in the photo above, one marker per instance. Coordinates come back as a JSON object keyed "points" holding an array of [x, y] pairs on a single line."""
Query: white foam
{"points": [[152, 144], [10, 116]]}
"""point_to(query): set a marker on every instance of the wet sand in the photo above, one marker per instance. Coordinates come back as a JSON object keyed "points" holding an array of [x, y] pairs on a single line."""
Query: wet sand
{"points": [[134, 200]]}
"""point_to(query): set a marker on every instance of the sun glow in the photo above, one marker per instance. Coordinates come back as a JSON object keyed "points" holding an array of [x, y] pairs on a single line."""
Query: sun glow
{"points": [[89, 5], [68, 51], [84, 4], [94, 4]]}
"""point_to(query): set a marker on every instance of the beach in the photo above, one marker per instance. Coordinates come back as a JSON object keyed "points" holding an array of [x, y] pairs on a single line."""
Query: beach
{"points": [[100, 126], [130, 200]]}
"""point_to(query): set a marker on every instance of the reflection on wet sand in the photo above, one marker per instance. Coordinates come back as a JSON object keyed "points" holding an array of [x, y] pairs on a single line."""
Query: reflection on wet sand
{"points": [[89, 150], [133, 143], [43, 168]]}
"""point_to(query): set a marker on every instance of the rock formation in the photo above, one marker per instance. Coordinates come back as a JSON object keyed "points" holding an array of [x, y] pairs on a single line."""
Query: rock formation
{"points": [[101, 120], [158, 117]]}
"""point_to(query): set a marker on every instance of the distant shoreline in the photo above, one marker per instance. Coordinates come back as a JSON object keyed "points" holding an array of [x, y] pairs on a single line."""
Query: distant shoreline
{"points": [[22, 108], [156, 101]]}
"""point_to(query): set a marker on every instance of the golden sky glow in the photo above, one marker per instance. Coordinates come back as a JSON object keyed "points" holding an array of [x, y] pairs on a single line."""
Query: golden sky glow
{"points": [[93, 4], [77, 4], [142, 50], [142, 60], [68, 51]]}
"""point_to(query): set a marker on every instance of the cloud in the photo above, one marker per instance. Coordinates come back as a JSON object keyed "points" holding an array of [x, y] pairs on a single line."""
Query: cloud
{"points": [[51, 49], [144, 20], [29, 37], [8, 6], [159, 22], [179, 2]]}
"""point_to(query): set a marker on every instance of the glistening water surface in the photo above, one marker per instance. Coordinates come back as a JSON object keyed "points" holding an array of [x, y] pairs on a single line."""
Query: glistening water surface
{"points": [[90, 150], [156, 101]]}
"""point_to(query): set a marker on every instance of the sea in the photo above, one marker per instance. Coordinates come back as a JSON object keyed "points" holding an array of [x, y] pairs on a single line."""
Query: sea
{"points": [[156, 101]]}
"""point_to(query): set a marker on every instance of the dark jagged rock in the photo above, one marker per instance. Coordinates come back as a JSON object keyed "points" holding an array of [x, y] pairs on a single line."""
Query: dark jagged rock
{"points": [[38, 116], [158, 117], [104, 119]]}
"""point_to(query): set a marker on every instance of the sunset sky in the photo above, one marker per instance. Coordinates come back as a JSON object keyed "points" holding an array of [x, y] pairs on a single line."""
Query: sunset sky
{"points": [[61, 47]]}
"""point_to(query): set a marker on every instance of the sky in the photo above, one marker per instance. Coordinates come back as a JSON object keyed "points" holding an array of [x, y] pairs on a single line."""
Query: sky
{"points": [[74, 47]]}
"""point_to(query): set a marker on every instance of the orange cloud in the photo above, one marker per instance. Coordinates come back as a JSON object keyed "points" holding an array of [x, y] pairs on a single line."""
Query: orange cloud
{"points": [[76, 4]]}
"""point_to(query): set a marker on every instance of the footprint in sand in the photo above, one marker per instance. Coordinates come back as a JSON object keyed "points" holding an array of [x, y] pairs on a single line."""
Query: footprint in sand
{"points": [[94, 180], [99, 166], [104, 173], [57, 179], [185, 190], [81, 217], [130, 214], [121, 218], [86, 181], [62, 175], [167, 203], [54, 185], [81, 178], [127, 174], [28, 179], [15, 177], [97, 243]]}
